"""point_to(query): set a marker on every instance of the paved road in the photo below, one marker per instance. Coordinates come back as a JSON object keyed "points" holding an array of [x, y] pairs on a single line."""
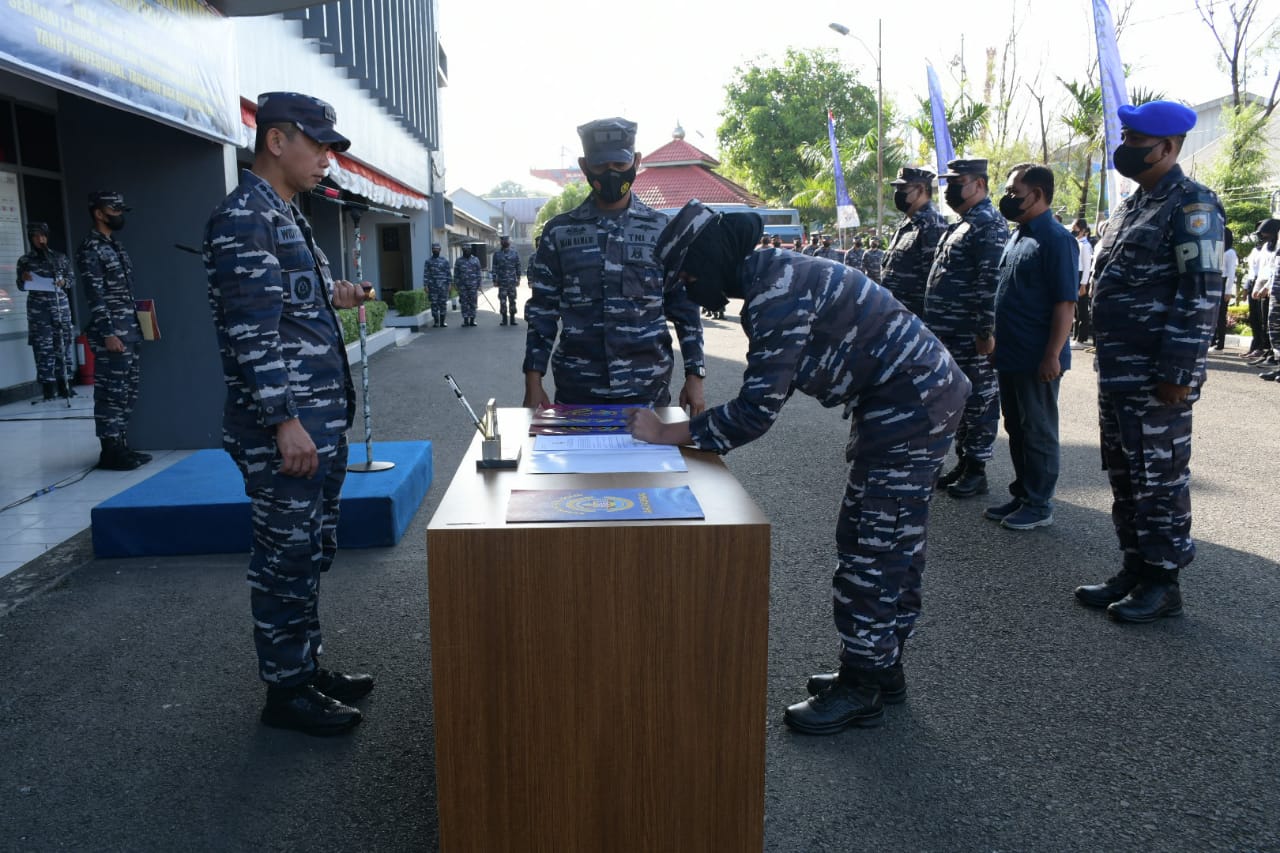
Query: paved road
{"points": [[128, 699]]}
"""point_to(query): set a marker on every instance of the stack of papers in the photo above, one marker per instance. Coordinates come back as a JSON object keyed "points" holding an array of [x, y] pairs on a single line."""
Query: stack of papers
{"points": [[564, 419], [601, 454]]}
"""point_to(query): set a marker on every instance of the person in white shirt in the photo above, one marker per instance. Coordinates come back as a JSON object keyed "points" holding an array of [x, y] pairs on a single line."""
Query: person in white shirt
{"points": [[1262, 263], [1083, 331], [1229, 263]]}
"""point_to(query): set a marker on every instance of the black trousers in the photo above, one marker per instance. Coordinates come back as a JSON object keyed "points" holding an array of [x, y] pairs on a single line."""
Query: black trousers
{"points": [[1220, 329], [1258, 323]]}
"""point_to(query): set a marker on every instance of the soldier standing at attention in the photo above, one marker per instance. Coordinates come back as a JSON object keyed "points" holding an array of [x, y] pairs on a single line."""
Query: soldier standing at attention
{"points": [[853, 257], [506, 275], [905, 268], [831, 254], [466, 274], [1157, 284], [594, 278], [960, 308], [812, 248], [114, 334], [872, 260], [436, 278], [289, 402], [818, 327], [49, 329]]}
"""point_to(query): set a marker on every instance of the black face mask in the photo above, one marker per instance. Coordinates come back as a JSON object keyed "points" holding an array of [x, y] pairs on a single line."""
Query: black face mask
{"points": [[954, 195], [611, 186], [1131, 161], [706, 292], [900, 201], [115, 221], [435, 253], [1011, 208]]}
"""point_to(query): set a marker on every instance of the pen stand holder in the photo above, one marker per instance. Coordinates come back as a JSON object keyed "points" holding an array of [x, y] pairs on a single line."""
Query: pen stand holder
{"points": [[491, 455]]}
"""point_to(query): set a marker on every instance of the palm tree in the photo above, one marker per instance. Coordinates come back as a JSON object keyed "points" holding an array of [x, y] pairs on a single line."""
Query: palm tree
{"points": [[1086, 122], [816, 197]]}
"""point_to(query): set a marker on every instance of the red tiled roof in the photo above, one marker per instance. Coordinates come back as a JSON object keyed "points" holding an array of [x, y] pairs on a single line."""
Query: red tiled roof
{"points": [[678, 151], [561, 177], [673, 186]]}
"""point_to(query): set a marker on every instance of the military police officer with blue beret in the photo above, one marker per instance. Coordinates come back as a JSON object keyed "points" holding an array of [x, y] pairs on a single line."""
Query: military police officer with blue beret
{"points": [[1157, 284], [816, 326], [595, 282], [289, 403]]}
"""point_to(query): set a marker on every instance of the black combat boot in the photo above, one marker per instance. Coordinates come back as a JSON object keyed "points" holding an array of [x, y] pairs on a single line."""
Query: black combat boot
{"points": [[50, 391], [305, 709], [65, 391], [853, 700], [1113, 588], [115, 456], [1155, 595], [345, 687], [143, 458], [951, 476], [504, 320], [972, 482]]}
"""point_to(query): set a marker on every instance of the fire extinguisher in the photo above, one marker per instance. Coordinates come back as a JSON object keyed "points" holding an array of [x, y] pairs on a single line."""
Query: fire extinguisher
{"points": [[84, 355]]}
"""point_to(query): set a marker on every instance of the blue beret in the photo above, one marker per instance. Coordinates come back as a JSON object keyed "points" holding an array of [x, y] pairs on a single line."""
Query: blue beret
{"points": [[1158, 118]]}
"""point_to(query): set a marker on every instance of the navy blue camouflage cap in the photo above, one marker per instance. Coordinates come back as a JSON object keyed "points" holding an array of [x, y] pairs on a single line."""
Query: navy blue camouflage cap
{"points": [[107, 198], [957, 168], [674, 241], [312, 116], [608, 140], [913, 175], [38, 228], [1158, 118]]}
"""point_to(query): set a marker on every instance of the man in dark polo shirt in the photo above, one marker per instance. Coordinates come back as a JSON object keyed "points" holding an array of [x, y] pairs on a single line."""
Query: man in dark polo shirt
{"points": [[1037, 285]]}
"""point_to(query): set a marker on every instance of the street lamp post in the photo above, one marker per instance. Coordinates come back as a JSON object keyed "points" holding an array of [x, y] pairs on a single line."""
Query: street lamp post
{"points": [[875, 56]]}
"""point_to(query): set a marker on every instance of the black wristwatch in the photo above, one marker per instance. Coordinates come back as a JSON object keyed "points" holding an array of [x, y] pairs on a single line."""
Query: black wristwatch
{"points": [[696, 370]]}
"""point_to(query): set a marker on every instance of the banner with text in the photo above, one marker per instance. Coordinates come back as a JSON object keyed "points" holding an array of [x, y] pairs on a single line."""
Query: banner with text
{"points": [[170, 59]]}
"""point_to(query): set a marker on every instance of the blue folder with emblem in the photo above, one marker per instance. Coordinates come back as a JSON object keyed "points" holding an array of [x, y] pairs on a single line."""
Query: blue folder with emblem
{"points": [[534, 505]]}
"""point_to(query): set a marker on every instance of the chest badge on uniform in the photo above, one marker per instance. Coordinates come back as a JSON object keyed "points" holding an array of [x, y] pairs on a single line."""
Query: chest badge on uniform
{"points": [[302, 286]]}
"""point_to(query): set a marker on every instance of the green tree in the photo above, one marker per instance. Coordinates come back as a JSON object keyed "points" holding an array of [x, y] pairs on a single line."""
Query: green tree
{"points": [[1239, 173], [570, 197], [816, 197], [1085, 122], [508, 189], [966, 121], [772, 111]]}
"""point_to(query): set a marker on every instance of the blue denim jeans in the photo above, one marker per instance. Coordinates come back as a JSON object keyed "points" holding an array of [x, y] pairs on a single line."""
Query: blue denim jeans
{"points": [[1030, 409]]}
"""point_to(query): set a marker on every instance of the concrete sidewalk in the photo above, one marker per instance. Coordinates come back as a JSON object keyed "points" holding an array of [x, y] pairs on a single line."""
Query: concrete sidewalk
{"points": [[128, 712]]}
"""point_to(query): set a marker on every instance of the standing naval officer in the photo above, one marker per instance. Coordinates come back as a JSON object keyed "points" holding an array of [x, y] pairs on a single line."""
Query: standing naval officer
{"points": [[506, 275], [1157, 284], [436, 278], [595, 281], [49, 329], [905, 268], [960, 308], [466, 275], [114, 334], [819, 327], [289, 402]]}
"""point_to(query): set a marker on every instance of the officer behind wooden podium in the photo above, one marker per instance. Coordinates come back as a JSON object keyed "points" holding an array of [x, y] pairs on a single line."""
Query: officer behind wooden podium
{"points": [[289, 402], [819, 327]]}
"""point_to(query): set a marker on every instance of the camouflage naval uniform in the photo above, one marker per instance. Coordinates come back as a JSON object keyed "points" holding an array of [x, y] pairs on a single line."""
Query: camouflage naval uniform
{"points": [[1157, 284], [825, 330], [594, 278], [466, 275], [437, 276], [905, 268], [107, 275], [871, 264], [959, 304], [830, 253], [853, 258], [506, 275], [49, 330], [282, 358]]}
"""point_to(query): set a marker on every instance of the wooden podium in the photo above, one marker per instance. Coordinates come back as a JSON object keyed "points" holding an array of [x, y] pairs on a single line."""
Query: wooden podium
{"points": [[598, 687]]}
